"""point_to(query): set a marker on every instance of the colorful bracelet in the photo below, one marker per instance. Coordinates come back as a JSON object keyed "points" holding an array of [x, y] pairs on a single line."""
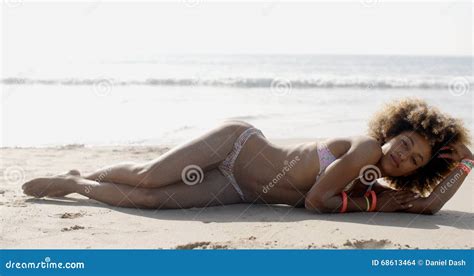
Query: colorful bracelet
{"points": [[374, 200], [368, 204], [344, 202], [468, 162], [464, 167]]}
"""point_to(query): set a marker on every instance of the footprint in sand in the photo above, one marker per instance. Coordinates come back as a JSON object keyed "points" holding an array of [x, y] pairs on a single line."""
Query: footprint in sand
{"points": [[368, 244], [75, 227], [16, 203], [201, 245], [330, 245], [71, 215]]}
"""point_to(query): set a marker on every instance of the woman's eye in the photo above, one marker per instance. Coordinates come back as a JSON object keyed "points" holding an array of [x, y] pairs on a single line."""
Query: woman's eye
{"points": [[414, 161], [405, 143]]}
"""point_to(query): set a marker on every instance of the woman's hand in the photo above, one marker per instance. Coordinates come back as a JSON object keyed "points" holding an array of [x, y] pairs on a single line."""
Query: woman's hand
{"points": [[456, 152], [392, 201]]}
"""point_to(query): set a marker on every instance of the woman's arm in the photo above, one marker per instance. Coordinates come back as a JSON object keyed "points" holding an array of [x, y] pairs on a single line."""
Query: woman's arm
{"points": [[441, 194], [325, 195], [388, 198], [446, 189]]}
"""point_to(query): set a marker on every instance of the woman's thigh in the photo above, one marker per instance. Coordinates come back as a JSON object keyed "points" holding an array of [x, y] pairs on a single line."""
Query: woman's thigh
{"points": [[214, 190], [205, 152]]}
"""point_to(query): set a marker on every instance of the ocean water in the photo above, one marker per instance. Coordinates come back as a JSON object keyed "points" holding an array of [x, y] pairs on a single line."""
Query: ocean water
{"points": [[167, 100]]}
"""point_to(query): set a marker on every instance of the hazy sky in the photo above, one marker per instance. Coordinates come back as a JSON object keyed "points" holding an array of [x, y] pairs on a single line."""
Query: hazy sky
{"points": [[108, 30]]}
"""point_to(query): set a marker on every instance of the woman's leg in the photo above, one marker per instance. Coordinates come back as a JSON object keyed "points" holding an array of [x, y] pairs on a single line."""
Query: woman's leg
{"points": [[213, 190], [206, 152]]}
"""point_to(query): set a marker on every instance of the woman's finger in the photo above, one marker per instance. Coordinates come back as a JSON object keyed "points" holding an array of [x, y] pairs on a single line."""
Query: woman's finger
{"points": [[402, 194], [402, 200], [457, 146], [408, 199], [405, 206], [409, 195], [398, 195], [453, 156], [405, 198], [455, 150], [446, 155]]}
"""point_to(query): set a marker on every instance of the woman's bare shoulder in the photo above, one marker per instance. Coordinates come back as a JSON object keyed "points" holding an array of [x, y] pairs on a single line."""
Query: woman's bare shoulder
{"points": [[365, 146]]}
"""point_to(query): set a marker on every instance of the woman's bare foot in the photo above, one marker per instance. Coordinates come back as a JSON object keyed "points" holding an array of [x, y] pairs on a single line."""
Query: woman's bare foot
{"points": [[56, 186]]}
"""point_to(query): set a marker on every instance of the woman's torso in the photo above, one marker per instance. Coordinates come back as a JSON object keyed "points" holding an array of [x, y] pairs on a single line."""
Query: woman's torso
{"points": [[269, 173]]}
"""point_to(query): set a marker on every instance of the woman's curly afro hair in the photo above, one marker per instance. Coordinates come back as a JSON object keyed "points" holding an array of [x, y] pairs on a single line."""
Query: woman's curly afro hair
{"points": [[440, 129]]}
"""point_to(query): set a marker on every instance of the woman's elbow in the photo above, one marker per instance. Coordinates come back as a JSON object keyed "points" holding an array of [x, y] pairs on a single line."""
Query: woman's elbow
{"points": [[316, 206], [431, 208], [431, 211]]}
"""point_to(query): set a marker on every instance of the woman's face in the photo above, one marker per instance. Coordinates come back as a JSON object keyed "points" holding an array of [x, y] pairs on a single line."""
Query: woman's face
{"points": [[404, 153]]}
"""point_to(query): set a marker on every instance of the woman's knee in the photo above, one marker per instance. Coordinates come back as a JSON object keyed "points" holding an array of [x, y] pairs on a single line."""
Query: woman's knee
{"points": [[144, 174]]}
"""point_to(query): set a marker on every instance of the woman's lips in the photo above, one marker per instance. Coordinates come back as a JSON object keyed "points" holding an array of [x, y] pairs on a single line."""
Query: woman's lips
{"points": [[394, 160]]}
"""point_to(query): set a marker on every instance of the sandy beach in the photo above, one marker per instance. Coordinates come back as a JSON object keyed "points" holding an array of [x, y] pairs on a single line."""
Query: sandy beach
{"points": [[86, 85], [77, 222]]}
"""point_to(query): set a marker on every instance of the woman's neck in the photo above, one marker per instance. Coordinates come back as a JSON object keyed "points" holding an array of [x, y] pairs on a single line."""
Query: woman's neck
{"points": [[379, 166]]}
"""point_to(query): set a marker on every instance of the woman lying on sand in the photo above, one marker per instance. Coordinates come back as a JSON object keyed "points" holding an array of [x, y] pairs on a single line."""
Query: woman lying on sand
{"points": [[418, 150]]}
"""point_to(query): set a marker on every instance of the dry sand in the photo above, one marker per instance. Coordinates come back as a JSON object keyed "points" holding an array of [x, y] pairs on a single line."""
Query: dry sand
{"points": [[77, 222]]}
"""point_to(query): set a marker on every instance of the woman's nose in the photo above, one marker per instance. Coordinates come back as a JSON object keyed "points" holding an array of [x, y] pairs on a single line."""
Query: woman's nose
{"points": [[403, 155]]}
